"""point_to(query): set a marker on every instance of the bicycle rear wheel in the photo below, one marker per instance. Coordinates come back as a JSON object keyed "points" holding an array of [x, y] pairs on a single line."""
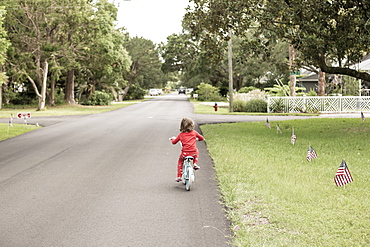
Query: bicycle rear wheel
{"points": [[189, 181]]}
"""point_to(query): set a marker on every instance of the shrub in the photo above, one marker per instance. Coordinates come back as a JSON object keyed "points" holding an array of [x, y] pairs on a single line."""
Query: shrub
{"points": [[246, 89], [256, 105], [98, 98], [135, 92], [207, 92], [311, 93], [239, 106]]}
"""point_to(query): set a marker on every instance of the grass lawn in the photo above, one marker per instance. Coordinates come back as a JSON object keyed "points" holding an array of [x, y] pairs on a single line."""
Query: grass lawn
{"points": [[201, 108], [66, 109], [7, 132], [275, 197]]}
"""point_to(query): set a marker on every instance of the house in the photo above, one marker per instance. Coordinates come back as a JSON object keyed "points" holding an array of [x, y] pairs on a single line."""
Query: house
{"points": [[310, 82]]}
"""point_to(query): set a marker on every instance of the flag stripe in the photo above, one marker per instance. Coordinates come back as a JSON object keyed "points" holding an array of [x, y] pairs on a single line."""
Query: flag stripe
{"points": [[311, 154], [343, 176]]}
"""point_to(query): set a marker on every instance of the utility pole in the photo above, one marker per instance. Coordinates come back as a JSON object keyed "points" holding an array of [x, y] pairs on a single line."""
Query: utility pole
{"points": [[292, 70], [231, 84]]}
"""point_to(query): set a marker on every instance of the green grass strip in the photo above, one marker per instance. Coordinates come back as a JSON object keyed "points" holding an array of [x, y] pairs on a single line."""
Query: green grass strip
{"points": [[65, 110], [275, 197], [200, 108], [7, 131]]}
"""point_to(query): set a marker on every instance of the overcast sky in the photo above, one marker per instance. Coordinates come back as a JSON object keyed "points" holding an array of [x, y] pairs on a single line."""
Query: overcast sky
{"points": [[151, 19]]}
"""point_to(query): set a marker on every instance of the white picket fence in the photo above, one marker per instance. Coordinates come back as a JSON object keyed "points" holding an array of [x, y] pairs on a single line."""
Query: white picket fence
{"points": [[322, 104]]}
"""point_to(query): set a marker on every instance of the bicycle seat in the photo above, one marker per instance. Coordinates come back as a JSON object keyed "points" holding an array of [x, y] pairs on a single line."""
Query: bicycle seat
{"points": [[189, 158]]}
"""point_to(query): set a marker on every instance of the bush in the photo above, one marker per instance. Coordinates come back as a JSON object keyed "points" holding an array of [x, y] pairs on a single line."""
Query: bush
{"points": [[59, 98], [239, 106], [98, 98], [207, 92], [246, 89], [256, 105], [311, 93], [135, 92]]}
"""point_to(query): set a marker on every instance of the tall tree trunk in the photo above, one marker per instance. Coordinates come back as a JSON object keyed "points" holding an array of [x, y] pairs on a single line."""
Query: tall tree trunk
{"points": [[41, 95], [70, 85], [321, 83], [230, 66], [42, 99], [52, 92], [292, 70], [238, 82], [127, 88]]}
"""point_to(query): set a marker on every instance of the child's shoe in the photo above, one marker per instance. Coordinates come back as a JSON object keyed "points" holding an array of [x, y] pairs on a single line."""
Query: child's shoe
{"points": [[178, 179], [196, 167]]}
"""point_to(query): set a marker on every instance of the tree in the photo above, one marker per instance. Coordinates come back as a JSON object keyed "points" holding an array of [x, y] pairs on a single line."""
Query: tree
{"points": [[29, 29], [197, 62], [331, 34], [76, 39], [4, 44], [106, 59], [145, 66]]}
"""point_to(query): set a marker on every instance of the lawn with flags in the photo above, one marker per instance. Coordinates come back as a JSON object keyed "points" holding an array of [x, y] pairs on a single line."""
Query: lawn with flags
{"points": [[11, 130], [277, 198], [311, 154]]}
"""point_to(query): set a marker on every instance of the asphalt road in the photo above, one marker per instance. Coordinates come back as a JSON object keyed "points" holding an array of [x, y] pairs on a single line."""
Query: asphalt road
{"points": [[108, 180]]}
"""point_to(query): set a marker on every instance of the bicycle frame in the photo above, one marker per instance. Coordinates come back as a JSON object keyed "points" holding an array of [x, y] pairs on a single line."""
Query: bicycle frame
{"points": [[188, 176]]}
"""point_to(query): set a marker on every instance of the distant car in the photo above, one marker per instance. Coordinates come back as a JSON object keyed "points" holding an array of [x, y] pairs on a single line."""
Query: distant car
{"points": [[153, 92], [182, 90]]}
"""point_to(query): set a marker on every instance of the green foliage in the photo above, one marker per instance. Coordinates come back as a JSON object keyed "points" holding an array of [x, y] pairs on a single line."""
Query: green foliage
{"points": [[256, 105], [207, 92], [277, 106], [311, 93], [4, 42], [323, 32], [281, 89], [20, 98], [274, 197], [239, 106], [246, 89], [98, 98], [59, 98], [135, 92], [253, 105], [81, 38]]}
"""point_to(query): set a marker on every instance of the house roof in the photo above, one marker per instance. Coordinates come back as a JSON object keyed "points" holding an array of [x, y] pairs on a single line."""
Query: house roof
{"points": [[313, 78], [364, 64]]}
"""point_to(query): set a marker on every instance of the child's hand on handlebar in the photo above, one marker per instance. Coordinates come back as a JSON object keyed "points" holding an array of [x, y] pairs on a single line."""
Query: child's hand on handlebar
{"points": [[171, 138]]}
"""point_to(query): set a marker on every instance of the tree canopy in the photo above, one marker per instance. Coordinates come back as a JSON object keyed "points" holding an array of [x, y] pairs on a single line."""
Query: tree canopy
{"points": [[330, 34], [63, 48]]}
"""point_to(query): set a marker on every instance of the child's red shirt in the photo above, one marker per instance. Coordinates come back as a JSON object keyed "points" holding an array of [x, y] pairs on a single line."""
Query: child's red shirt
{"points": [[188, 140]]}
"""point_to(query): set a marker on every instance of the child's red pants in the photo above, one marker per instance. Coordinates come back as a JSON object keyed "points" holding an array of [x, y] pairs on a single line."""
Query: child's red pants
{"points": [[181, 161]]}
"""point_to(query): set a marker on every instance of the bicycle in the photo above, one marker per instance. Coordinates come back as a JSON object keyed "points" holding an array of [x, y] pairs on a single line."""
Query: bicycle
{"points": [[188, 175]]}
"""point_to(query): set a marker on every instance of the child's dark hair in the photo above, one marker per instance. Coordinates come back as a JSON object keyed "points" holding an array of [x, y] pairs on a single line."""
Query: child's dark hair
{"points": [[186, 125]]}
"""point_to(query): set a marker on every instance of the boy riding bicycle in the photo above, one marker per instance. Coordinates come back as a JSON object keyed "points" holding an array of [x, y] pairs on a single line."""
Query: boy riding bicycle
{"points": [[188, 138]]}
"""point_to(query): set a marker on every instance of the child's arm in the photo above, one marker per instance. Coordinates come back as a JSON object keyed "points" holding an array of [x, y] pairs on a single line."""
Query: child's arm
{"points": [[175, 140], [199, 137]]}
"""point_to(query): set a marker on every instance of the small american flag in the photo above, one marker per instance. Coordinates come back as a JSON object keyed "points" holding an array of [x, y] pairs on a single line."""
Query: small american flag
{"points": [[267, 123], [278, 129], [294, 137], [343, 176], [362, 116], [311, 154], [11, 120]]}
